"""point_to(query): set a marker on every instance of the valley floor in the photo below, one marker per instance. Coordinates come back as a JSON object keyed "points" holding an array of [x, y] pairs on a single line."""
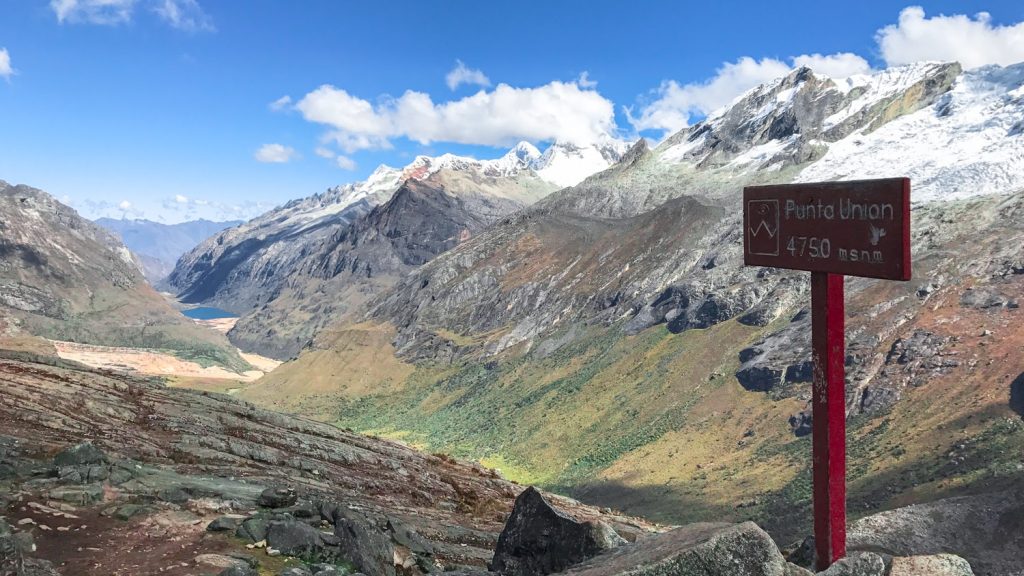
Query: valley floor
{"points": [[158, 363]]}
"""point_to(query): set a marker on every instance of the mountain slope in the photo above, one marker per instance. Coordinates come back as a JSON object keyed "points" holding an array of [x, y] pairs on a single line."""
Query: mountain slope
{"points": [[159, 246], [422, 219], [232, 268], [609, 341], [65, 278]]}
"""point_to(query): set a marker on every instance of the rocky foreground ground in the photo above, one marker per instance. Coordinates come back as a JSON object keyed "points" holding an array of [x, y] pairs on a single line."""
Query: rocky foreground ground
{"points": [[102, 473]]}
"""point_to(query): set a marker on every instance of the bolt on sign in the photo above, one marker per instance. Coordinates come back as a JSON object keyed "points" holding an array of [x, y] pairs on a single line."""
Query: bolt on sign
{"points": [[832, 229]]}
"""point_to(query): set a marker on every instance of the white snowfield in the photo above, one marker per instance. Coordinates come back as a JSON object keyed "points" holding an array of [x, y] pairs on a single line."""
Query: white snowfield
{"points": [[566, 165], [969, 143]]}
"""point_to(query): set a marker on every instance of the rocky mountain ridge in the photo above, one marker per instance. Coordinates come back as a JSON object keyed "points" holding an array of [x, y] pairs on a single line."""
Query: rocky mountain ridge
{"points": [[268, 269], [65, 278]]}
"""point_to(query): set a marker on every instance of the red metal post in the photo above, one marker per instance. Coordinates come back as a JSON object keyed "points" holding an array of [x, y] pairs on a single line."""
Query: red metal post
{"points": [[829, 417]]}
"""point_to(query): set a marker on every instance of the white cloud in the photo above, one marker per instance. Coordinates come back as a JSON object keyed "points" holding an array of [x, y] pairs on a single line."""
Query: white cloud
{"points": [[281, 103], [323, 152], [463, 75], [6, 71], [501, 117], [185, 15], [677, 103], [125, 205], [971, 41], [842, 65], [181, 199], [275, 154], [345, 163], [106, 12], [584, 80]]}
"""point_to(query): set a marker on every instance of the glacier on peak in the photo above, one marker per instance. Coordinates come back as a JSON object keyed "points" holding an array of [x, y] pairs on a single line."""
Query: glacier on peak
{"points": [[968, 143]]}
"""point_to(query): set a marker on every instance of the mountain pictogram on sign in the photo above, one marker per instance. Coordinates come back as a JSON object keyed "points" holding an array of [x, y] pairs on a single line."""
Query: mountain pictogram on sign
{"points": [[763, 227]]}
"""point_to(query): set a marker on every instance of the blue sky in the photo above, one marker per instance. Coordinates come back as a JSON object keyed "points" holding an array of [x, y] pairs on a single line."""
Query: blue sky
{"points": [[165, 108]]}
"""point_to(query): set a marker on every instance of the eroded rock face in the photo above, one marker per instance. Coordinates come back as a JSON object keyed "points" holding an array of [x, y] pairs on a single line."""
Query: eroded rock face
{"points": [[700, 549], [539, 539]]}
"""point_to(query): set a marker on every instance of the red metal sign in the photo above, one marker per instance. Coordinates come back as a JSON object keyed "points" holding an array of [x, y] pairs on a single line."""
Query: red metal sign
{"points": [[856, 228]]}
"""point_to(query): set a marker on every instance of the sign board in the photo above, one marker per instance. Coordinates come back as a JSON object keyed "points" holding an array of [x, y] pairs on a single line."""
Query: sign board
{"points": [[855, 228], [832, 229]]}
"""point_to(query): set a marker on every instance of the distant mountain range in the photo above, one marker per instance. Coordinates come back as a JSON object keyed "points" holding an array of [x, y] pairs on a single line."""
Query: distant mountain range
{"points": [[294, 269], [159, 246]]}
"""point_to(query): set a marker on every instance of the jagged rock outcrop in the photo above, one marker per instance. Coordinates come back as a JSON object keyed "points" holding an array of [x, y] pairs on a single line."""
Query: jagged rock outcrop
{"points": [[538, 539]]}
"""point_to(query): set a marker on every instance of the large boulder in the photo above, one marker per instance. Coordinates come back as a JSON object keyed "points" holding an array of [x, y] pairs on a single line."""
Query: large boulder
{"points": [[538, 539], [294, 538], [362, 540], [987, 530], [278, 497], [706, 549]]}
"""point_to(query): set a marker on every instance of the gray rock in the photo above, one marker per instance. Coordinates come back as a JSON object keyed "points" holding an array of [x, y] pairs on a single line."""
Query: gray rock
{"points": [[857, 564], [239, 571], [698, 549], [794, 570], [982, 298], [220, 561], [540, 539], [223, 524], [278, 497], [127, 511], [80, 495], [1017, 395], [987, 530], [294, 538], [80, 454], [295, 571], [363, 542], [253, 529], [173, 495], [937, 565]]}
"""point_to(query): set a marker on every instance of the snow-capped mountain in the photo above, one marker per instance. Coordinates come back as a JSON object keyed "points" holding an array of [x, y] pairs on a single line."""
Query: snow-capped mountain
{"points": [[567, 164], [287, 257], [969, 142]]}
